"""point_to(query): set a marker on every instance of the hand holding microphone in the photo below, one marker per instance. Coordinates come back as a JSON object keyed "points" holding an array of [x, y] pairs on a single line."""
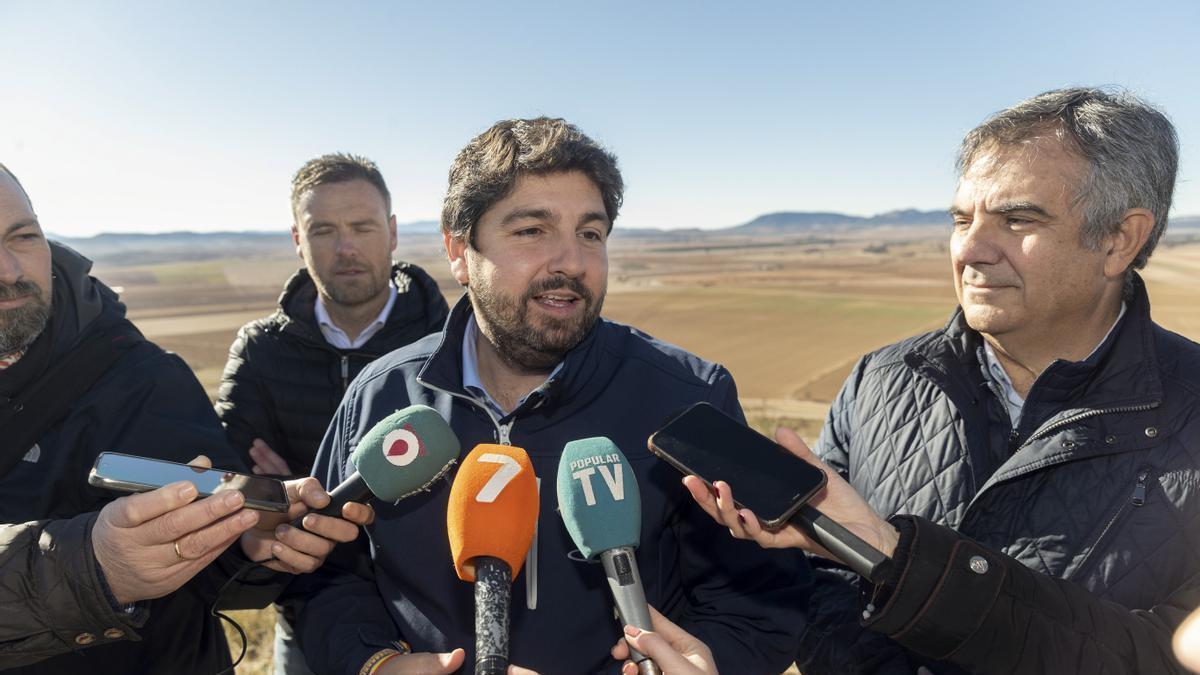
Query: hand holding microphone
{"points": [[602, 508], [401, 455], [675, 650], [491, 518]]}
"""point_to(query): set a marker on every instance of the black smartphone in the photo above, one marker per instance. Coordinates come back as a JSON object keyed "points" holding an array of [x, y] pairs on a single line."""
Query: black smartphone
{"points": [[765, 477], [129, 473]]}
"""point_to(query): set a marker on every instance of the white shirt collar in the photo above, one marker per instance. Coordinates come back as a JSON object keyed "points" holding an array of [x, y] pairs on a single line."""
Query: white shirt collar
{"points": [[337, 337]]}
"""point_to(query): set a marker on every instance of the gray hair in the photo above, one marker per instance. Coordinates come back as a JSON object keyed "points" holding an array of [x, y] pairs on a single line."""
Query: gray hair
{"points": [[1130, 148]]}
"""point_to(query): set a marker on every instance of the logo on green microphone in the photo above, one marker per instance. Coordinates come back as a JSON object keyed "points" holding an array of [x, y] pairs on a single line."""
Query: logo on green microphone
{"points": [[402, 446]]}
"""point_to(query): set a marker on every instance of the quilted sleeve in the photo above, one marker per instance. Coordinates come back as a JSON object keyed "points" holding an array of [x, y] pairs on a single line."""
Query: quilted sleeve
{"points": [[834, 640]]}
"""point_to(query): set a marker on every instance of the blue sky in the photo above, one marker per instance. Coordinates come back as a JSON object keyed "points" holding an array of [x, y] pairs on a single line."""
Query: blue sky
{"points": [[152, 116]]}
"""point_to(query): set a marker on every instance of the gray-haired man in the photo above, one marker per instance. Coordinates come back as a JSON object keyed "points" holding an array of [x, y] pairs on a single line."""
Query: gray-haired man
{"points": [[1042, 451]]}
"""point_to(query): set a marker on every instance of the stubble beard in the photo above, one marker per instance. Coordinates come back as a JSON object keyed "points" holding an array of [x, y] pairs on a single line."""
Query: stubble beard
{"points": [[505, 322], [350, 293], [20, 326]]}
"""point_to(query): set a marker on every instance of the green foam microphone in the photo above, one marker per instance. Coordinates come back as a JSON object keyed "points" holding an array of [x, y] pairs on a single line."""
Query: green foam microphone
{"points": [[404, 453], [602, 509]]}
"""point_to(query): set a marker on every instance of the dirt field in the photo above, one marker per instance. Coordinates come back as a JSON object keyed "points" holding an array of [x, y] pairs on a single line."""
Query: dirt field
{"points": [[787, 317]]}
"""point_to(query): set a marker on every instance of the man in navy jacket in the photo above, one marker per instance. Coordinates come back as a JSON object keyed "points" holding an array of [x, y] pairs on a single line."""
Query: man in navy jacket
{"points": [[525, 360]]}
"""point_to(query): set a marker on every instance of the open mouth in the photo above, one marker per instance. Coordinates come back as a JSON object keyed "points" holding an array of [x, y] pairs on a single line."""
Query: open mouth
{"points": [[556, 299]]}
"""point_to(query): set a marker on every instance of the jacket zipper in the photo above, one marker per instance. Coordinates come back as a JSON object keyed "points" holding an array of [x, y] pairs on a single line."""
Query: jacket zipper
{"points": [[1135, 500], [345, 372], [503, 435], [1048, 429]]}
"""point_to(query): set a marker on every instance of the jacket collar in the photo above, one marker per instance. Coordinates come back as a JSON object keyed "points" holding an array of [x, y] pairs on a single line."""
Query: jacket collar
{"points": [[583, 375], [1123, 371], [297, 306]]}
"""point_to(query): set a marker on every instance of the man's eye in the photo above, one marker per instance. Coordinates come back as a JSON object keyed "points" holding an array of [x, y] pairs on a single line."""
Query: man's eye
{"points": [[961, 223], [593, 235], [528, 231]]}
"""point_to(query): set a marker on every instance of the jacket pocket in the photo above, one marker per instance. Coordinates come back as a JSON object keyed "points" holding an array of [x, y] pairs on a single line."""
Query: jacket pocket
{"points": [[1134, 499]]}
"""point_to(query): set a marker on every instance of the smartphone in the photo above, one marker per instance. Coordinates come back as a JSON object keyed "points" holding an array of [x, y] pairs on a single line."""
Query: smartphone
{"points": [[129, 473], [765, 477]]}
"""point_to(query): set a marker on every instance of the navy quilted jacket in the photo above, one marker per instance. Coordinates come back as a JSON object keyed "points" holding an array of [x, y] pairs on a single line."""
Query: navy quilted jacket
{"points": [[1070, 544]]}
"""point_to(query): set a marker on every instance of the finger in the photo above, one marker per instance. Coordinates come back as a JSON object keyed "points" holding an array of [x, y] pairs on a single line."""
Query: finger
{"points": [[133, 510], [727, 510], [201, 461], [424, 662], [268, 459], [658, 649], [620, 651], [309, 491], [327, 527], [702, 495], [518, 670], [174, 524], [789, 439], [359, 514], [302, 551], [215, 538]]}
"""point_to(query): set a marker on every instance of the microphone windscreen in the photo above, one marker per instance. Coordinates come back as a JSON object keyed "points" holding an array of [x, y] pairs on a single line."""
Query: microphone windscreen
{"points": [[405, 452], [493, 508], [598, 496]]}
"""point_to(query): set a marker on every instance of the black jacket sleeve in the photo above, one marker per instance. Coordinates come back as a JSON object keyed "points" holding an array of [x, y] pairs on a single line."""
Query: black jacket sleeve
{"points": [[243, 403], [52, 597], [834, 640], [954, 600]]}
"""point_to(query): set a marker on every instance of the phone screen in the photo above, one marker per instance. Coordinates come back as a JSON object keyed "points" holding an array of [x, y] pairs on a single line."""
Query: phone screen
{"points": [[765, 477], [138, 474]]}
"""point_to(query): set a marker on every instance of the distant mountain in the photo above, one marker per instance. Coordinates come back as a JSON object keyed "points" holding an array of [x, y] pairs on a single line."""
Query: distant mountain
{"points": [[1183, 223], [419, 227], [785, 222]]}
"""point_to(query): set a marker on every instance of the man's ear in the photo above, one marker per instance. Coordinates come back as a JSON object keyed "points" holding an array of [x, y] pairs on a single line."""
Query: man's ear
{"points": [[296, 240], [1122, 246], [456, 253], [392, 231]]}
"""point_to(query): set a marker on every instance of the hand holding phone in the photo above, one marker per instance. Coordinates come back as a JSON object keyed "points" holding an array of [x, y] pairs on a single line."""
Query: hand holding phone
{"points": [[713, 443], [705, 442], [129, 473]]}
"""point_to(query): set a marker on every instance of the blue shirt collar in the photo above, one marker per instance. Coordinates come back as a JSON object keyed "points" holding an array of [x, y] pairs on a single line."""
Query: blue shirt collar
{"points": [[470, 371]]}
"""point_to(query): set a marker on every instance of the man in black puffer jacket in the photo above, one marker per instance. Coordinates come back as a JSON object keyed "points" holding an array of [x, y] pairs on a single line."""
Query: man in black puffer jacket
{"points": [[77, 379], [1040, 455], [349, 305]]}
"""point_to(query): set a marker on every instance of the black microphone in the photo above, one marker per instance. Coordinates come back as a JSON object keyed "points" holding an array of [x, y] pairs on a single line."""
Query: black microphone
{"points": [[866, 560]]}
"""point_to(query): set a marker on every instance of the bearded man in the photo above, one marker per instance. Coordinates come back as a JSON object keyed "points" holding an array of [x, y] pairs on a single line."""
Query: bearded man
{"points": [[525, 359]]}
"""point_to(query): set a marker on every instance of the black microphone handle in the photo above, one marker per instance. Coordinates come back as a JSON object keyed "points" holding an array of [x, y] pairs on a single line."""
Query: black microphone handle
{"points": [[869, 562], [353, 489], [493, 592]]}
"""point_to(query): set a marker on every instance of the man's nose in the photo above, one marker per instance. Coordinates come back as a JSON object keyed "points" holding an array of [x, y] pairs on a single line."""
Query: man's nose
{"points": [[567, 257], [10, 268], [975, 243]]}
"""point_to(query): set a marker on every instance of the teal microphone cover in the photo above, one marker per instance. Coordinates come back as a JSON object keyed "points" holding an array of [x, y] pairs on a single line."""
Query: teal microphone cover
{"points": [[405, 452], [598, 496]]}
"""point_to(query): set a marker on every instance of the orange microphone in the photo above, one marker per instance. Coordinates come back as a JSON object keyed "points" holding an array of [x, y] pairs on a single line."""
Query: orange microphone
{"points": [[491, 517]]}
